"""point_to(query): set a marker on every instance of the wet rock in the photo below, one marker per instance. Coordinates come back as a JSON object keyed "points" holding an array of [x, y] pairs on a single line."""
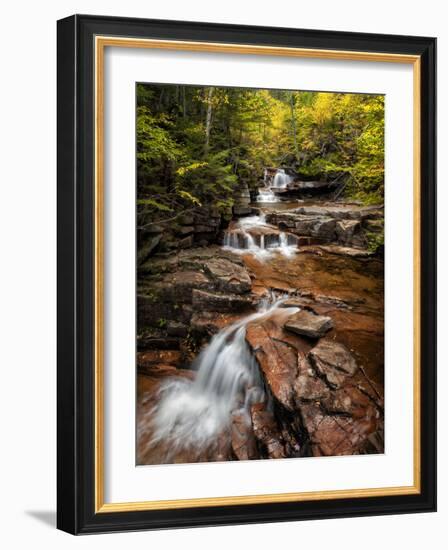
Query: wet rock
{"points": [[267, 432], [308, 386], [243, 440], [277, 358], [150, 379], [307, 323], [333, 362], [223, 302]]}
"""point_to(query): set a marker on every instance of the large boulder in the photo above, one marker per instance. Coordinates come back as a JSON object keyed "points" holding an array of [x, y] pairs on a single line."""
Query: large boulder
{"points": [[276, 354]]}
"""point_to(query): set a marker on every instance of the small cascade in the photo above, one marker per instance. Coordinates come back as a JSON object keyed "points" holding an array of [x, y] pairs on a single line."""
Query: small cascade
{"points": [[254, 235], [190, 415], [281, 179], [266, 196]]}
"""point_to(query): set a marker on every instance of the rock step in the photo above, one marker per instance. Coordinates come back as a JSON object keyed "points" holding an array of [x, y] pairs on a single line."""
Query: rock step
{"points": [[222, 302], [307, 323]]}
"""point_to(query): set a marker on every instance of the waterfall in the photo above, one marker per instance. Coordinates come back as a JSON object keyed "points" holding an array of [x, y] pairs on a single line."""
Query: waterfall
{"points": [[281, 179], [240, 239], [190, 415], [266, 195]]}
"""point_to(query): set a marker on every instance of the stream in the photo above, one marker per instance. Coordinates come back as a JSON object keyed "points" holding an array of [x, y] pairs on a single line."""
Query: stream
{"points": [[191, 418]]}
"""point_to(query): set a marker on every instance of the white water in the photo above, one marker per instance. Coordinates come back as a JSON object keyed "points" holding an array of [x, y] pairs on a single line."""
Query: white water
{"points": [[190, 415], [281, 179], [240, 239], [267, 196]]}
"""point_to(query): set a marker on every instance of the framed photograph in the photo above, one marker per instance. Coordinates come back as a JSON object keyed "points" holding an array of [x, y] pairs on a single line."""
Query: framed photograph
{"points": [[246, 274]]}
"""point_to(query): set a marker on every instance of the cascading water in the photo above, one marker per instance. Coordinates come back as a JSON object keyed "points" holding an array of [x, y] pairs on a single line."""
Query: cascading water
{"points": [[267, 196], [190, 415], [254, 235], [281, 179]]}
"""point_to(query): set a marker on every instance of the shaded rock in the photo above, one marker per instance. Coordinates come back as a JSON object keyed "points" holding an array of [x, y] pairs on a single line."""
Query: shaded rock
{"points": [[186, 219], [228, 275], [157, 341], [205, 228], [242, 210], [347, 230], [333, 362], [309, 324], [153, 229], [310, 226], [186, 230], [242, 195], [375, 225], [342, 211], [267, 432], [174, 328], [211, 322], [214, 301], [180, 284], [145, 250], [186, 242], [243, 441]]}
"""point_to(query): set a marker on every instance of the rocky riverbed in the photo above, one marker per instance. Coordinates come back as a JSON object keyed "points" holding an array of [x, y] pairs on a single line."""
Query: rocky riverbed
{"points": [[270, 346]]}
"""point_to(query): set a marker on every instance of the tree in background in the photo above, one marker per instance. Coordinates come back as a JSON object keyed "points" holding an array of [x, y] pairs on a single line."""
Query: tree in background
{"points": [[196, 144]]}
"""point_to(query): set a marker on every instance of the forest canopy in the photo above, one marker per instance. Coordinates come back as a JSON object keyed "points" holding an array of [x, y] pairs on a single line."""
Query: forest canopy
{"points": [[195, 145]]}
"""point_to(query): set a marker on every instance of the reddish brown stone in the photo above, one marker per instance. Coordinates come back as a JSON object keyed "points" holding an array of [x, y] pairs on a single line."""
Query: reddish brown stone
{"points": [[266, 431]]}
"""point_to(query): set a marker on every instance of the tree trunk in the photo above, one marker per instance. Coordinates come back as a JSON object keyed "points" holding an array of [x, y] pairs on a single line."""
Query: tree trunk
{"points": [[293, 124], [208, 120]]}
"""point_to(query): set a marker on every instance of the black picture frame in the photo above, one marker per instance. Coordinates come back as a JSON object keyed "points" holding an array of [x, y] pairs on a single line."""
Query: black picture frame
{"points": [[76, 270]]}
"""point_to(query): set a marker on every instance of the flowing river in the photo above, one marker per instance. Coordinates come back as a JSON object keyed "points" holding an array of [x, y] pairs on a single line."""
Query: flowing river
{"points": [[190, 417]]}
